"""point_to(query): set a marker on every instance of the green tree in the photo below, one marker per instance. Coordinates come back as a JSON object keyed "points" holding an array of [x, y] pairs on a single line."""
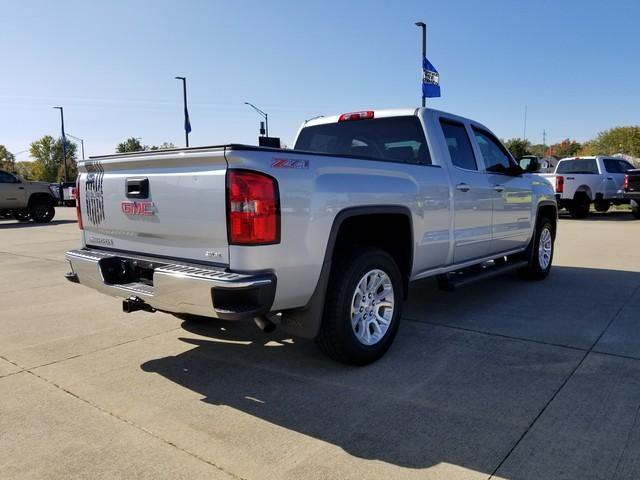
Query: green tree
{"points": [[518, 147], [131, 144], [566, 148], [538, 150], [47, 154], [7, 159], [616, 140], [29, 170], [163, 146]]}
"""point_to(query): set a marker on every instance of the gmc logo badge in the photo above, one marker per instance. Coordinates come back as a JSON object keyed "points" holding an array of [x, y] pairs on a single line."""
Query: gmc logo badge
{"points": [[137, 208]]}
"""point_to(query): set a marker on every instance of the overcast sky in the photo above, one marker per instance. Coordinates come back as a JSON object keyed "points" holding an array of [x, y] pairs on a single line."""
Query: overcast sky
{"points": [[111, 65]]}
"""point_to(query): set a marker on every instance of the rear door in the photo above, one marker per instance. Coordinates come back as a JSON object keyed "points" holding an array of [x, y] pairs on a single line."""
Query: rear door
{"points": [[615, 169], [511, 221], [164, 204], [472, 195]]}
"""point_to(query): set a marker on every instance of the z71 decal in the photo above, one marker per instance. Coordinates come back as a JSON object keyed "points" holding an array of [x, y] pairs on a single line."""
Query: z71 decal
{"points": [[289, 163]]}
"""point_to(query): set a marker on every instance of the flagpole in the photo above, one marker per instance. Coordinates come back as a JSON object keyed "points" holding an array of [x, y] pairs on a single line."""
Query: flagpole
{"points": [[186, 115], [423, 26]]}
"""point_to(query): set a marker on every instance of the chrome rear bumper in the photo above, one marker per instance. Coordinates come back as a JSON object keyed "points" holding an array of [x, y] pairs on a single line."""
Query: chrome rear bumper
{"points": [[176, 287]]}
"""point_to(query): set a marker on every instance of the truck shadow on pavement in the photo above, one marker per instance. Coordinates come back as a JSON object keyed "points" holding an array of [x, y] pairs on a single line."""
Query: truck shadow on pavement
{"points": [[468, 373], [7, 224]]}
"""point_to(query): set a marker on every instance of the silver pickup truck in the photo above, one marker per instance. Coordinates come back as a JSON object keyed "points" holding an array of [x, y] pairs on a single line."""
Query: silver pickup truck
{"points": [[321, 240]]}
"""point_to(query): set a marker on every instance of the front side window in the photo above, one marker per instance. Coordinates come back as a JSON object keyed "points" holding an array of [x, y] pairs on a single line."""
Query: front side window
{"points": [[459, 145], [395, 139], [584, 166], [615, 165], [496, 160]]}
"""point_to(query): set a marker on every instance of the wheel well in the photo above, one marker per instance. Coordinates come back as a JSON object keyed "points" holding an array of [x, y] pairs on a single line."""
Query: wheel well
{"points": [[583, 190], [388, 231], [550, 212], [40, 197]]}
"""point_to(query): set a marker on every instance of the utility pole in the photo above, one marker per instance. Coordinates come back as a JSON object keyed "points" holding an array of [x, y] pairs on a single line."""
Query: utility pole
{"points": [[544, 142], [64, 142], [187, 123], [524, 133], [423, 26]]}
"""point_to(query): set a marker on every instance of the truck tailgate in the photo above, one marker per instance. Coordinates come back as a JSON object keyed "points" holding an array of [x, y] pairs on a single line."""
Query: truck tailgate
{"points": [[166, 204]]}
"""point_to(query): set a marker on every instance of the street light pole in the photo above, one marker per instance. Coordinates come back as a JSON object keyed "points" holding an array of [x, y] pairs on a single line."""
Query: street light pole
{"points": [[81, 143], [64, 142], [423, 26], [264, 115], [187, 123]]}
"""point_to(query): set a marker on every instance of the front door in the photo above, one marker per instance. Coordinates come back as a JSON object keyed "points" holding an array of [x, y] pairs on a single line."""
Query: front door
{"points": [[12, 194], [512, 200], [472, 196]]}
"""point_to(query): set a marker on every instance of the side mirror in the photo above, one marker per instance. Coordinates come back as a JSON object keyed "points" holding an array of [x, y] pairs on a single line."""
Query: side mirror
{"points": [[529, 164]]}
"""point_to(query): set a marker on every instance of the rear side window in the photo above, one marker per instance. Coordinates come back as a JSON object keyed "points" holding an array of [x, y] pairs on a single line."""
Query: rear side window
{"points": [[614, 165], [459, 145], [7, 178], [395, 139], [586, 166]]}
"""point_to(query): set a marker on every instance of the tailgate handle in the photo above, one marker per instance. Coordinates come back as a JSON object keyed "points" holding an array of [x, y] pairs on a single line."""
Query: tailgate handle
{"points": [[137, 188]]}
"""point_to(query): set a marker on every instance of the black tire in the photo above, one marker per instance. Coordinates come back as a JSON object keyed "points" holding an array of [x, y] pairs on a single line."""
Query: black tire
{"points": [[21, 215], [602, 205], [579, 207], [635, 209], [337, 338], [42, 212], [536, 269]]}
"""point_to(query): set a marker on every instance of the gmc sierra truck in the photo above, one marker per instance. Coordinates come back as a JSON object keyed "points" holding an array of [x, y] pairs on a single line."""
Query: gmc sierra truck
{"points": [[321, 240], [581, 181], [25, 200]]}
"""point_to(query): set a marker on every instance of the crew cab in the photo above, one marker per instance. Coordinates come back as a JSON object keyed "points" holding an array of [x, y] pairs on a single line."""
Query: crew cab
{"points": [[632, 190], [321, 240], [26, 200], [581, 181]]}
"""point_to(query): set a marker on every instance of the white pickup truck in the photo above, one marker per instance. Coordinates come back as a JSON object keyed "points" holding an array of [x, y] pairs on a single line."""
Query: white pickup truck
{"points": [[581, 181], [321, 240]]}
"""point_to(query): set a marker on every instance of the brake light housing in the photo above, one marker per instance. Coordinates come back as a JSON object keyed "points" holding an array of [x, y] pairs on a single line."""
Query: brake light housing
{"points": [[364, 115], [253, 208], [559, 184], [78, 210], [626, 183]]}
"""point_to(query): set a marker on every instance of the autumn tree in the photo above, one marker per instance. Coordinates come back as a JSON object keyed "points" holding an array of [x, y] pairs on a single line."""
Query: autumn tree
{"points": [[47, 153], [566, 148]]}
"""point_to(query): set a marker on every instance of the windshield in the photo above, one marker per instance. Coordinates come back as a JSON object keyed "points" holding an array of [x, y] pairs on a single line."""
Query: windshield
{"points": [[396, 139], [587, 166]]}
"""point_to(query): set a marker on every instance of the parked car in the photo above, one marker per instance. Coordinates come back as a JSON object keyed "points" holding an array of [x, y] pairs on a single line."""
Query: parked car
{"points": [[26, 200], [581, 181], [321, 240], [632, 190]]}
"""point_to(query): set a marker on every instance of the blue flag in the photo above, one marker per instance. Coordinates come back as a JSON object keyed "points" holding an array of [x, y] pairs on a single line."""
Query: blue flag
{"points": [[430, 80], [187, 123]]}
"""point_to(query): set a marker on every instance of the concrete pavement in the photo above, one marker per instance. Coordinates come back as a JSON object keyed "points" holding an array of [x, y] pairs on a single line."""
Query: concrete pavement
{"points": [[506, 378]]}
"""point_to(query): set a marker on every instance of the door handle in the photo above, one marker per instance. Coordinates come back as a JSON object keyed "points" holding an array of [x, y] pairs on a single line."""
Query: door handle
{"points": [[463, 187], [609, 178], [20, 188], [498, 188]]}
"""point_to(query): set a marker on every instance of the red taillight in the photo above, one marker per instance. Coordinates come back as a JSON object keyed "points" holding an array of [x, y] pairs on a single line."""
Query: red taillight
{"points": [[345, 117], [253, 210], [559, 184], [78, 211], [626, 183]]}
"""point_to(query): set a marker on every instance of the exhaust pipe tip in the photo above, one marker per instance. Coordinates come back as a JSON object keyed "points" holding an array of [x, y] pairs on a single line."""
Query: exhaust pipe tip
{"points": [[264, 324]]}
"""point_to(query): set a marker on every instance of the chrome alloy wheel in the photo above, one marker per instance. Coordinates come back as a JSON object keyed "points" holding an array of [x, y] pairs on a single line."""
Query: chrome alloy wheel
{"points": [[372, 307], [545, 245]]}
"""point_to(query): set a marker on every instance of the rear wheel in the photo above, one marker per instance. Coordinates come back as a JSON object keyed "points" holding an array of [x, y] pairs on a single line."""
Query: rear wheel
{"points": [[363, 307], [602, 205], [579, 207], [540, 251], [42, 212], [635, 209]]}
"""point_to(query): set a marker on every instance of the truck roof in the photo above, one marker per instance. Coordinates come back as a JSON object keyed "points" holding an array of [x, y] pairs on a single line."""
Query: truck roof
{"points": [[379, 113]]}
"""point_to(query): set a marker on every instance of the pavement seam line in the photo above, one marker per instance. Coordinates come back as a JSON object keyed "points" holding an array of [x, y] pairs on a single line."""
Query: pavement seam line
{"points": [[493, 334], [564, 383], [134, 425]]}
